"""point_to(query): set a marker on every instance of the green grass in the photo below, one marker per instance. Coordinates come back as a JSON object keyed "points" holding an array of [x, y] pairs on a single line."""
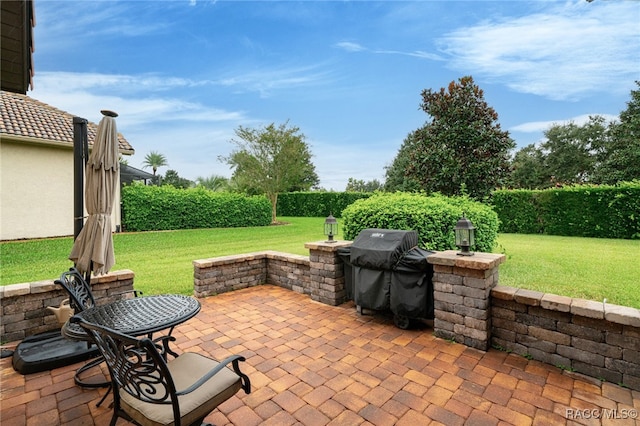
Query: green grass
{"points": [[162, 261], [587, 268]]}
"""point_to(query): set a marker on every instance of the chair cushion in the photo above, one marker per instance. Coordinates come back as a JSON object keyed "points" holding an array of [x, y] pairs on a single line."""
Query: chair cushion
{"points": [[185, 370]]}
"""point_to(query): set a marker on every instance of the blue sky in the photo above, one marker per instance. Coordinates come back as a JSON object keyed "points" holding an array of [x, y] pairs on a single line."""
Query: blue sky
{"points": [[183, 75]]}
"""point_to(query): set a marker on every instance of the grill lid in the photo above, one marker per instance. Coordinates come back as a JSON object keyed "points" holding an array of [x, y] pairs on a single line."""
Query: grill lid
{"points": [[381, 248]]}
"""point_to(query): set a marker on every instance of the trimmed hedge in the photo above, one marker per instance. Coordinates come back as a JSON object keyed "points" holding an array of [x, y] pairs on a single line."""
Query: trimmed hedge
{"points": [[155, 208], [433, 217], [316, 204], [578, 211]]}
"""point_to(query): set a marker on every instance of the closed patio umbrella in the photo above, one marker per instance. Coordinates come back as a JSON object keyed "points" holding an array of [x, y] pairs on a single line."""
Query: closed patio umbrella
{"points": [[93, 248]]}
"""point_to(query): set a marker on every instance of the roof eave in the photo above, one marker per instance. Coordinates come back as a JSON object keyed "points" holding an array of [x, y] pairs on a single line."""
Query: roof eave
{"points": [[48, 142]]}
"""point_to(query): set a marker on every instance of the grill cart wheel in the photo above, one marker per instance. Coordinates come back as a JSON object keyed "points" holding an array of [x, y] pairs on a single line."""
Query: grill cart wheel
{"points": [[401, 321]]}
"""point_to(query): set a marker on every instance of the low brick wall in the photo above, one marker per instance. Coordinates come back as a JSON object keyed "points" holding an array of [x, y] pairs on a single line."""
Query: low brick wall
{"points": [[221, 274], [601, 341], [24, 306], [596, 339], [320, 275]]}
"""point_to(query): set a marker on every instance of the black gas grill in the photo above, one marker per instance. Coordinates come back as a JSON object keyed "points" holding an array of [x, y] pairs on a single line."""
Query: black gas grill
{"points": [[385, 269]]}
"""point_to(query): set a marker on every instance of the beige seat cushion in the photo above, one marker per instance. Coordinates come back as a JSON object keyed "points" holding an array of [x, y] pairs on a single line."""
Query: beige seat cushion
{"points": [[185, 370]]}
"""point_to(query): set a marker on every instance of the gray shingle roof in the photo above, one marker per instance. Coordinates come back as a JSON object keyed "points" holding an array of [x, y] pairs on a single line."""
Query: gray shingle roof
{"points": [[24, 116]]}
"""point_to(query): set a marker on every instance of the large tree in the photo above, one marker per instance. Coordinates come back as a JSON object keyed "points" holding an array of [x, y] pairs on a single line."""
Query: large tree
{"points": [[571, 150], [461, 148], [620, 161], [271, 160], [529, 170], [396, 175]]}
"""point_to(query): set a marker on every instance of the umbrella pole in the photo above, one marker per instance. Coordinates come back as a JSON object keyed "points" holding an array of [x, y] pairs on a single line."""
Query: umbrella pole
{"points": [[79, 150]]}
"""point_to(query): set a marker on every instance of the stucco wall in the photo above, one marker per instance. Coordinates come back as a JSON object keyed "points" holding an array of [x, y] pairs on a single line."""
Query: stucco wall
{"points": [[36, 191]]}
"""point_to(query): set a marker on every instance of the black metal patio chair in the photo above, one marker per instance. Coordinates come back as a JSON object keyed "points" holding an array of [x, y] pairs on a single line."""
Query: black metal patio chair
{"points": [[151, 391], [80, 299]]}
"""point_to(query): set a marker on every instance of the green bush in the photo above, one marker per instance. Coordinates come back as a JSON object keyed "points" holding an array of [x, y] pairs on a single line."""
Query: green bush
{"points": [[433, 217], [316, 204], [579, 211], [154, 208], [518, 211]]}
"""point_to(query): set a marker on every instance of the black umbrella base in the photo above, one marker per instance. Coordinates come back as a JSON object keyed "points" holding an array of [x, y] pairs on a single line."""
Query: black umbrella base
{"points": [[48, 351]]}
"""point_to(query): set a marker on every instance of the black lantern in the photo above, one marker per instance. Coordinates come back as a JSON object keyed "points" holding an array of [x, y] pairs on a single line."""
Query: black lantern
{"points": [[330, 228], [465, 236]]}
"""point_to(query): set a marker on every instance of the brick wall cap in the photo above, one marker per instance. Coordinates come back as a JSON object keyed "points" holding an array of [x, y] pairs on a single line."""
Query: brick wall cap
{"points": [[528, 297], [479, 260], [554, 302], [587, 308], [233, 258], [13, 290], [120, 275], [325, 246], [43, 287], [622, 315], [503, 292], [287, 257]]}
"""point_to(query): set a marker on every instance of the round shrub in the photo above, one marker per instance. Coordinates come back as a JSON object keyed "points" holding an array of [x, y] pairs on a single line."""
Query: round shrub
{"points": [[433, 217]]}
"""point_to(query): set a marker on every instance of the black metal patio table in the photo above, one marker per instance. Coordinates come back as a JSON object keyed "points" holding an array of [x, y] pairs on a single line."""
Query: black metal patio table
{"points": [[136, 317]]}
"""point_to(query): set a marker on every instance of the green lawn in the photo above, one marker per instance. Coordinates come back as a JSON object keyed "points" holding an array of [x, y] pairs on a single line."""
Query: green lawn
{"points": [[587, 268], [162, 261]]}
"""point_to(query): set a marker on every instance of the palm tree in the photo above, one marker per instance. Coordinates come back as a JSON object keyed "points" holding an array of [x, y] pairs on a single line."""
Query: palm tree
{"points": [[154, 160], [214, 182]]}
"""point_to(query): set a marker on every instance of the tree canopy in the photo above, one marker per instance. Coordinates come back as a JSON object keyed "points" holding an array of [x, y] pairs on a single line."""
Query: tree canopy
{"points": [[461, 148], [595, 152], [620, 160], [271, 160], [359, 185], [214, 183], [172, 178]]}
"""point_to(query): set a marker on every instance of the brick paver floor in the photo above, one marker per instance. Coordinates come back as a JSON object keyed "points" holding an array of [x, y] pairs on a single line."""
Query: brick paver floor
{"points": [[313, 364]]}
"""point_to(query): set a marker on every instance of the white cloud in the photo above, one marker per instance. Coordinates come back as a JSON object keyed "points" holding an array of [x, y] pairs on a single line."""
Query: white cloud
{"points": [[562, 54], [350, 47], [265, 81], [82, 93], [541, 126], [355, 47]]}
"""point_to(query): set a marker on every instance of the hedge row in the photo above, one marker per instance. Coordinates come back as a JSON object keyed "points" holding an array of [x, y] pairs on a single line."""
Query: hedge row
{"points": [[433, 217], [316, 204], [578, 211], [154, 208]]}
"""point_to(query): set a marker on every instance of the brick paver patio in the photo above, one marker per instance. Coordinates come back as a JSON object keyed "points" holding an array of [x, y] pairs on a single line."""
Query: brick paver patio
{"points": [[314, 364]]}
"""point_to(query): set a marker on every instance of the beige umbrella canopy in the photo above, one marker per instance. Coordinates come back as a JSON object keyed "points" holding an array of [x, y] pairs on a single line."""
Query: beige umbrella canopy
{"points": [[93, 248]]}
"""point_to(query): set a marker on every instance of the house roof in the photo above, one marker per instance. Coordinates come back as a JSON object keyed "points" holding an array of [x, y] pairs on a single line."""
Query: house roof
{"points": [[128, 174], [29, 120]]}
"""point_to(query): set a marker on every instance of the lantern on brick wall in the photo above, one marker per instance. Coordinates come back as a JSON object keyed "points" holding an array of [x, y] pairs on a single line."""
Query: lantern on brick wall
{"points": [[465, 236], [330, 228]]}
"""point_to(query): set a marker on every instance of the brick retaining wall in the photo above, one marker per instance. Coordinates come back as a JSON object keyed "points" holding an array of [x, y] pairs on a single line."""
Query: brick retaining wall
{"points": [[596, 339], [601, 341], [24, 306], [226, 273]]}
